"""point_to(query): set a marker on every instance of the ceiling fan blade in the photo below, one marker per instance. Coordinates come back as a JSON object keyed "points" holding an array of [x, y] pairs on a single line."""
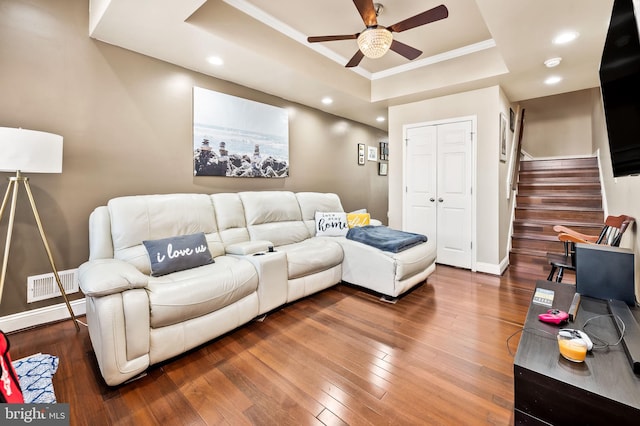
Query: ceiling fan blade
{"points": [[405, 50], [367, 11], [331, 38], [355, 60], [431, 15]]}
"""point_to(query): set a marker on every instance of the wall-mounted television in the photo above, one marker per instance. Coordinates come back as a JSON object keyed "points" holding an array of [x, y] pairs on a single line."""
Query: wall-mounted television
{"points": [[620, 85]]}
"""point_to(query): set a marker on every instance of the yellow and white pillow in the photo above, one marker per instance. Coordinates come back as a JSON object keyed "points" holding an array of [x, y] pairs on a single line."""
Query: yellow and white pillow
{"points": [[358, 219]]}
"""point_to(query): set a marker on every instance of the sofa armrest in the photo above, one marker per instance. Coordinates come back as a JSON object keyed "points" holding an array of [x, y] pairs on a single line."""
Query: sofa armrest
{"points": [[272, 275], [248, 247], [101, 277]]}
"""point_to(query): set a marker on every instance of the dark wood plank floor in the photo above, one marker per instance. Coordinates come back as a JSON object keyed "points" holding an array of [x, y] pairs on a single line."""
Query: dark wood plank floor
{"points": [[438, 356]]}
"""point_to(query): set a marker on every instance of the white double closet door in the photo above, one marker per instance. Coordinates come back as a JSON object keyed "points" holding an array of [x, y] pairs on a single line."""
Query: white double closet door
{"points": [[438, 192]]}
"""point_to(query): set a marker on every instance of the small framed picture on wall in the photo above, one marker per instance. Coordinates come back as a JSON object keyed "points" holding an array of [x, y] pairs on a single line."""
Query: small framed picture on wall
{"points": [[361, 155], [512, 120], [372, 153], [383, 169], [384, 151]]}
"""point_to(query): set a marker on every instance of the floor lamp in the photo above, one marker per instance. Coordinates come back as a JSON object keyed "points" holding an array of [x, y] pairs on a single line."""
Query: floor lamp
{"points": [[34, 152]]}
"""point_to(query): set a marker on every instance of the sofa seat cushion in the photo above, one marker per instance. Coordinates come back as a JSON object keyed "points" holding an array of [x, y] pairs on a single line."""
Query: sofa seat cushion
{"points": [[362, 259], [187, 294], [414, 260], [311, 256]]}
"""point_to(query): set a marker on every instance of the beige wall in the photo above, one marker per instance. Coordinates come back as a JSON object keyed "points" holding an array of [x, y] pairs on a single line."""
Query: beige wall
{"points": [[126, 123], [558, 125], [490, 174], [622, 194]]}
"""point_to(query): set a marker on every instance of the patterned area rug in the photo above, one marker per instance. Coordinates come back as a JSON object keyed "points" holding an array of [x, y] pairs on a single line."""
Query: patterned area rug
{"points": [[35, 374]]}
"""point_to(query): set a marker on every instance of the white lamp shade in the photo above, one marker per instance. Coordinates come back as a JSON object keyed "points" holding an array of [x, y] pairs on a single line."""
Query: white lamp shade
{"points": [[30, 151]]}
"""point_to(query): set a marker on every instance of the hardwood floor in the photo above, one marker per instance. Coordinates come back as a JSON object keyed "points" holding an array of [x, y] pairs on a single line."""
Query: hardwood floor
{"points": [[437, 356]]}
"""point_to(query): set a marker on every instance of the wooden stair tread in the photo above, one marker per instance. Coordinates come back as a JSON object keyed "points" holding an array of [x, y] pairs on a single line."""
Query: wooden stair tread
{"points": [[566, 222], [542, 191], [539, 253], [559, 208], [577, 170], [581, 196], [529, 236], [555, 184], [575, 163], [552, 223], [532, 177]]}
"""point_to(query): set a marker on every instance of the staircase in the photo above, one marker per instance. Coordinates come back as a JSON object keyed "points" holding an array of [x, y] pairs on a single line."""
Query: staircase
{"points": [[553, 192]]}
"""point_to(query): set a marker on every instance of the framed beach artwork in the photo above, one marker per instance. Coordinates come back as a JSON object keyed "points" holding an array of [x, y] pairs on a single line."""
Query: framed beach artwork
{"points": [[237, 137]]}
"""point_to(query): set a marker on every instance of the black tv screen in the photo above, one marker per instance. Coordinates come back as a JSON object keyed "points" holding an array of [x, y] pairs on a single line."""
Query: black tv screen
{"points": [[620, 85]]}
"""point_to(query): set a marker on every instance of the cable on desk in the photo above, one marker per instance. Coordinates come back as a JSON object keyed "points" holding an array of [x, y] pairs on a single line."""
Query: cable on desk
{"points": [[522, 330], [605, 344]]}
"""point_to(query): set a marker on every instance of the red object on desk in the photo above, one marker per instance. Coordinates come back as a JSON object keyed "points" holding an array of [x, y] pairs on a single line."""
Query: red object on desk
{"points": [[554, 316]]}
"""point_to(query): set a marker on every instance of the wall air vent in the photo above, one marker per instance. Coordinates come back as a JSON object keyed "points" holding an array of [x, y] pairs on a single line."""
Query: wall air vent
{"points": [[42, 287]]}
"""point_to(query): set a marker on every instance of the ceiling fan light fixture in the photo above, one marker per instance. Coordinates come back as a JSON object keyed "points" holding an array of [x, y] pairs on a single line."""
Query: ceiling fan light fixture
{"points": [[374, 42]]}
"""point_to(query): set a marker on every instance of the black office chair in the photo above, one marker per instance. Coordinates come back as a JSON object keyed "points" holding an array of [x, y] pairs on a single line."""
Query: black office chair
{"points": [[611, 234]]}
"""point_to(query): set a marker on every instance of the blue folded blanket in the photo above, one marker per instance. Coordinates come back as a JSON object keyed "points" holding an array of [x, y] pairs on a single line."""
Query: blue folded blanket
{"points": [[385, 238]]}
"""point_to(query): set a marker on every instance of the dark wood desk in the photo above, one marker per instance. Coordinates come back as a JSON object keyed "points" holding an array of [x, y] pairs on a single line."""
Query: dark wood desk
{"points": [[552, 390]]}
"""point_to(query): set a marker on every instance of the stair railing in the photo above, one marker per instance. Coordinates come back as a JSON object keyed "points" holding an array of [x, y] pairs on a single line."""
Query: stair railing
{"points": [[512, 174], [515, 154]]}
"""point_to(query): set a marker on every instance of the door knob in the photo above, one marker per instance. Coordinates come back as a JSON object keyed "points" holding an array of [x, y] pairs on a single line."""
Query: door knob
{"points": [[440, 200], [432, 199]]}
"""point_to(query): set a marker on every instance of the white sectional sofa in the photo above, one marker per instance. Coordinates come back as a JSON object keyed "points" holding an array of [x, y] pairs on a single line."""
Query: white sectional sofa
{"points": [[137, 319]]}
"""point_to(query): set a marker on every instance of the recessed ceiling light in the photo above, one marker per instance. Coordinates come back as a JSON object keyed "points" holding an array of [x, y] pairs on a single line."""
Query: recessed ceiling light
{"points": [[327, 100], [554, 79], [565, 37], [553, 62], [380, 119], [215, 60]]}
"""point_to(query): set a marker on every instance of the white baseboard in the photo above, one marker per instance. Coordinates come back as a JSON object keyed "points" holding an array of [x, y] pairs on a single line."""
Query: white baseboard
{"points": [[41, 316], [492, 268], [504, 264]]}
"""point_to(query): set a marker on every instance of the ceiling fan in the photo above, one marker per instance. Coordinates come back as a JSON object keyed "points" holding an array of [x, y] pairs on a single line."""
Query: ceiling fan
{"points": [[375, 40]]}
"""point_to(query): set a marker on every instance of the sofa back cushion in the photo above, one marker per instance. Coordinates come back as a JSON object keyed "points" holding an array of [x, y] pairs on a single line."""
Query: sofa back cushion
{"points": [[138, 218], [232, 226], [100, 243], [274, 216], [312, 202]]}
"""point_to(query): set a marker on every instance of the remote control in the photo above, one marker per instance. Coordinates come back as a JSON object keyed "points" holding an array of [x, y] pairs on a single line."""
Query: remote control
{"points": [[573, 309]]}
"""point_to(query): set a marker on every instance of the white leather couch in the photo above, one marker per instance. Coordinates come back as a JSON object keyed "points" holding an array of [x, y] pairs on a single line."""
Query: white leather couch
{"points": [[136, 320]]}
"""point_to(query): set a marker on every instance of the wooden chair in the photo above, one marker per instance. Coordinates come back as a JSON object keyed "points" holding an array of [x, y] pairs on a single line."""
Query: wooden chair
{"points": [[611, 234]]}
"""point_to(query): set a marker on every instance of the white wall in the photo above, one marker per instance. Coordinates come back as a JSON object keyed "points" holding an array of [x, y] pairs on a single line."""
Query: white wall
{"points": [[504, 203], [491, 211]]}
